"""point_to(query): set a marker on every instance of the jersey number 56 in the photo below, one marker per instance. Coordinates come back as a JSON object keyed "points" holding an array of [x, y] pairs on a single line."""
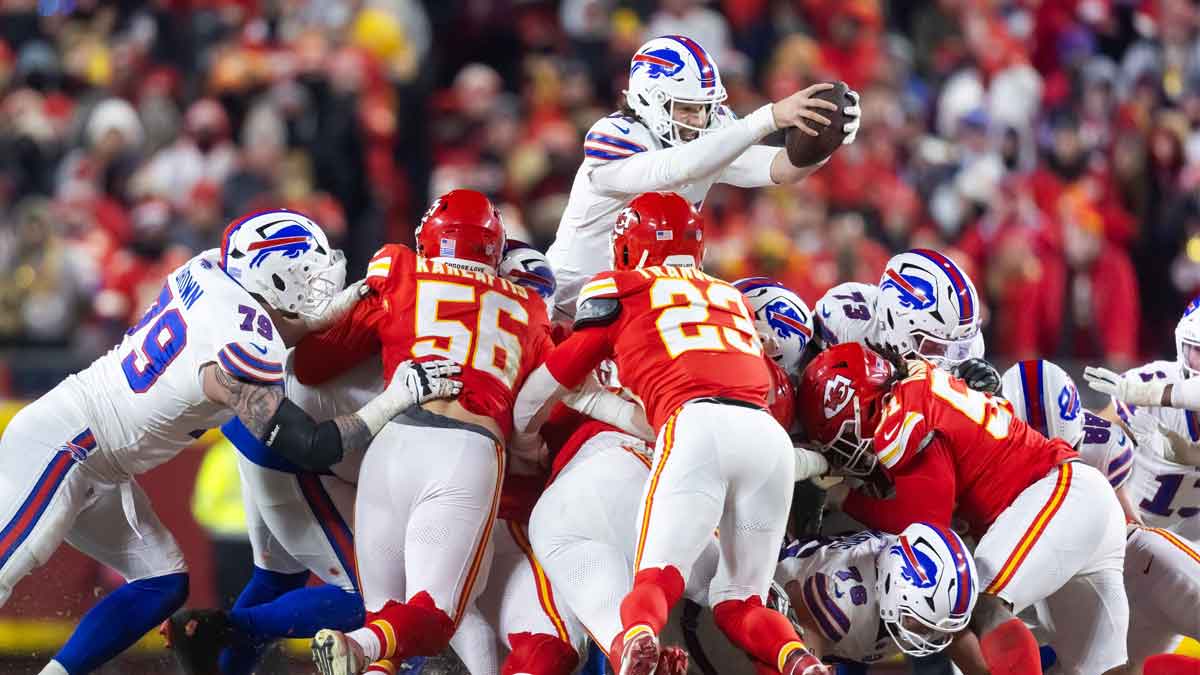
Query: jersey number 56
{"points": [[490, 348]]}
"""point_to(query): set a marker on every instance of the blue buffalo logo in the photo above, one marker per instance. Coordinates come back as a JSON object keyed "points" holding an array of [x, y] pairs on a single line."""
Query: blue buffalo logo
{"points": [[658, 62], [290, 241], [787, 320], [1192, 306], [914, 292], [1068, 402], [916, 566]]}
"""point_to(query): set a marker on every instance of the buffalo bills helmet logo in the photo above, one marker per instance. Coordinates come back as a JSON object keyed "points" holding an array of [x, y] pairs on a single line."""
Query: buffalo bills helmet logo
{"points": [[1068, 402], [286, 237], [912, 291], [787, 320], [658, 62], [1192, 306], [838, 393], [916, 566]]}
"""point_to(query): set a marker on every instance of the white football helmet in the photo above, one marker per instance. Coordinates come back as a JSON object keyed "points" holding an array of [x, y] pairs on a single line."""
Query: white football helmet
{"points": [[1045, 397], [928, 307], [668, 70], [284, 258], [1187, 340], [526, 266], [782, 320], [927, 585]]}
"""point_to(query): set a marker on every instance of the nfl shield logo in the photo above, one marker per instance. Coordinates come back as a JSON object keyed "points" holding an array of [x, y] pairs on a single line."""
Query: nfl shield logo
{"points": [[445, 248]]}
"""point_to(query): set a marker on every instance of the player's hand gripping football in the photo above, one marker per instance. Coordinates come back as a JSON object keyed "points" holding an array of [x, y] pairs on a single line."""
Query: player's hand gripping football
{"points": [[1131, 390], [853, 115], [801, 108]]}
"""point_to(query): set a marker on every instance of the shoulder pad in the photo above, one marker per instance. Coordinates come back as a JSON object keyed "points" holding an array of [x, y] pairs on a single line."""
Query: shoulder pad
{"points": [[383, 260], [597, 312], [616, 137]]}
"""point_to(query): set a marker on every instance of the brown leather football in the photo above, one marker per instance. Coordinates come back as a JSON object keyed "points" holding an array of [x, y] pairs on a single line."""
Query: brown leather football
{"points": [[805, 150]]}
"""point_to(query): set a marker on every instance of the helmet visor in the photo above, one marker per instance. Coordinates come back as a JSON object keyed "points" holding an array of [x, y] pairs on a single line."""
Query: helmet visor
{"points": [[943, 353]]}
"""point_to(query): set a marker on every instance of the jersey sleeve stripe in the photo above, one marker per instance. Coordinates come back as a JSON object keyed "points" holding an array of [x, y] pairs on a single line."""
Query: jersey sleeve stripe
{"points": [[893, 452], [834, 611], [597, 288], [615, 142], [241, 372], [1119, 479], [380, 267], [1120, 462], [250, 360], [809, 595], [600, 153]]}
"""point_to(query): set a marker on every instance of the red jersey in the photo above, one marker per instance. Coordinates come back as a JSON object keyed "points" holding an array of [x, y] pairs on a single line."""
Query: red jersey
{"points": [[781, 400], [952, 450], [497, 330], [678, 334]]}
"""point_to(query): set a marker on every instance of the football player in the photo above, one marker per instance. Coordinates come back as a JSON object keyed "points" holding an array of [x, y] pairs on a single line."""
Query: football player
{"points": [[424, 519], [921, 585], [1049, 526], [672, 133], [685, 344], [1160, 405], [924, 306], [1162, 605], [212, 346]]}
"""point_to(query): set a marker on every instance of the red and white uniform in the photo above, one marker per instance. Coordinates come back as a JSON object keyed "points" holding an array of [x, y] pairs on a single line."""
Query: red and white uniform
{"points": [[684, 343], [429, 483], [1049, 527]]}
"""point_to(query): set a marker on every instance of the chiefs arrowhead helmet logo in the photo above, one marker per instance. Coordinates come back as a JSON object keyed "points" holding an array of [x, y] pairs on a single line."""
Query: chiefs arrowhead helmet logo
{"points": [[839, 391]]}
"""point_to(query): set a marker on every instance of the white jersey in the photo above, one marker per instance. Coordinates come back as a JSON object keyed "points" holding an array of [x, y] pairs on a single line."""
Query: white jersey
{"points": [[1106, 447], [837, 580], [144, 399], [343, 395], [622, 159], [846, 313], [1166, 494]]}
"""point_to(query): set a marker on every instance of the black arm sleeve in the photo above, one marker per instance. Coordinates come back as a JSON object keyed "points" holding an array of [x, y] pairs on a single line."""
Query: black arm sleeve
{"points": [[298, 438]]}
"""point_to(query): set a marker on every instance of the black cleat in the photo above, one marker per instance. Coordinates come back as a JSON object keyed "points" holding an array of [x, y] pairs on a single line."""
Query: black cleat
{"points": [[197, 636]]}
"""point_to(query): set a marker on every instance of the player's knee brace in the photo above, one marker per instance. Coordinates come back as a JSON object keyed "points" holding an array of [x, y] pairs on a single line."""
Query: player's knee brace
{"points": [[539, 654]]}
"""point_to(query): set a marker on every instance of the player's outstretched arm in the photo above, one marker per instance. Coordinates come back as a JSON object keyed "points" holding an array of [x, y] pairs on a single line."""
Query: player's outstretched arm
{"points": [[593, 400], [292, 433]]}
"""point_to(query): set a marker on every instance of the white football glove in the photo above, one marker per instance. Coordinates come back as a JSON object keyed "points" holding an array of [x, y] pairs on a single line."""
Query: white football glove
{"points": [[412, 383], [1128, 388], [854, 112]]}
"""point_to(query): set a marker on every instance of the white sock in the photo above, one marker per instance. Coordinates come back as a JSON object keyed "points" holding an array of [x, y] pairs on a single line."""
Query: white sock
{"points": [[365, 637], [54, 668]]}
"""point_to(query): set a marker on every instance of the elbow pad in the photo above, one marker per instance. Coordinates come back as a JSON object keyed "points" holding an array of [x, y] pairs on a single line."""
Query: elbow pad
{"points": [[295, 436]]}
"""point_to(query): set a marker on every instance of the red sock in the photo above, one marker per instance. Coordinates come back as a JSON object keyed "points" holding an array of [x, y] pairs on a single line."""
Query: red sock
{"points": [[383, 666], [1010, 649], [413, 628], [655, 592], [764, 634], [539, 654], [1171, 664]]}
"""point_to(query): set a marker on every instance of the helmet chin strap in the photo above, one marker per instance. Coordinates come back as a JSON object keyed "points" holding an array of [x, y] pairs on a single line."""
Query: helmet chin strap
{"points": [[468, 265]]}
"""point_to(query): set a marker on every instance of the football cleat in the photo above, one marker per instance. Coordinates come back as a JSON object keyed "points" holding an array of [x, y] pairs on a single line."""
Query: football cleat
{"points": [[196, 637], [640, 654], [672, 661], [336, 654]]}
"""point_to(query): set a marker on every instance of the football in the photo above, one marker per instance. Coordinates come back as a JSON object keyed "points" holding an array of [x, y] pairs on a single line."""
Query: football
{"points": [[805, 150]]}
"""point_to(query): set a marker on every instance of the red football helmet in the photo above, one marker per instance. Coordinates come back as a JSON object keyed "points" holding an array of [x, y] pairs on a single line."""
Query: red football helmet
{"points": [[839, 400], [463, 225], [658, 228]]}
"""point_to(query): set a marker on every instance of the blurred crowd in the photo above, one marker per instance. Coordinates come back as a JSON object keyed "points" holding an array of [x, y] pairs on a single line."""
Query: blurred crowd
{"points": [[1051, 146]]}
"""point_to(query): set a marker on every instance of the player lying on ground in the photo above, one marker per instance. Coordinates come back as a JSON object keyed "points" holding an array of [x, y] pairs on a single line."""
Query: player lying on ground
{"points": [[672, 133], [210, 347], [685, 345], [1162, 603], [1049, 527]]}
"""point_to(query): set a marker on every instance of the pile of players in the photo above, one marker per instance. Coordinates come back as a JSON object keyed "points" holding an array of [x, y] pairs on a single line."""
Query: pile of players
{"points": [[460, 472]]}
